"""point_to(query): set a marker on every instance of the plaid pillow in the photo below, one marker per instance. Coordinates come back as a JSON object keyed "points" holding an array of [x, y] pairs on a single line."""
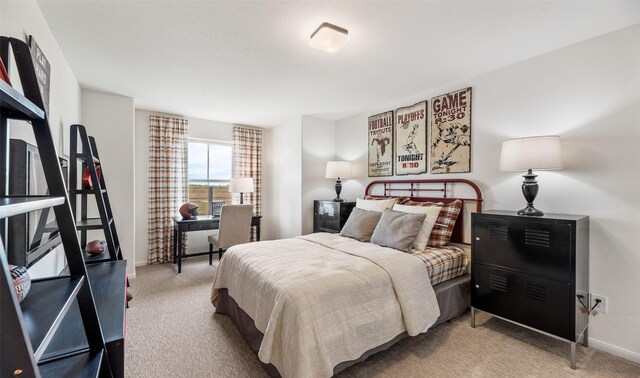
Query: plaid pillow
{"points": [[399, 200], [441, 233]]}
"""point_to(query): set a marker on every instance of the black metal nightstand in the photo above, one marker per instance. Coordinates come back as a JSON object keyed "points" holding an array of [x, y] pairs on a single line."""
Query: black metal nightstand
{"points": [[330, 216], [533, 271]]}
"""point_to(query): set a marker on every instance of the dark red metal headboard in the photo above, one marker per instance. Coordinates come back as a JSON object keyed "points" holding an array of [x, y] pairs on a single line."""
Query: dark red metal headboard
{"points": [[441, 190]]}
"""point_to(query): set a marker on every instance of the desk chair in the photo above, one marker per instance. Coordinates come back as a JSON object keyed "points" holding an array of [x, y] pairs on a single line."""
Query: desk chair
{"points": [[235, 228]]}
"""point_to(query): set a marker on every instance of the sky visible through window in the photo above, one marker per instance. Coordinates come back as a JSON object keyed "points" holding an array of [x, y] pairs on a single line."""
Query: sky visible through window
{"points": [[219, 156]]}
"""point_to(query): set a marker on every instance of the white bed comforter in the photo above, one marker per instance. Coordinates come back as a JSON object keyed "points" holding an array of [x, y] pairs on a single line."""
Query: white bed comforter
{"points": [[322, 299]]}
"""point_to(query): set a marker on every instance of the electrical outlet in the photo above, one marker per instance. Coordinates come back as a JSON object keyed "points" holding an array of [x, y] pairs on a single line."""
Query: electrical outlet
{"points": [[601, 307]]}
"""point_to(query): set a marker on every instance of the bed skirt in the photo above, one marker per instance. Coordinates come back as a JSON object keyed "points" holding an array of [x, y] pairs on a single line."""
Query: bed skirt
{"points": [[453, 299]]}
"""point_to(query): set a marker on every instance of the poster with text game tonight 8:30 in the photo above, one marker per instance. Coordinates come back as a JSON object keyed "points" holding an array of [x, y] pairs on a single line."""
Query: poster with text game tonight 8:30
{"points": [[411, 139], [451, 132]]}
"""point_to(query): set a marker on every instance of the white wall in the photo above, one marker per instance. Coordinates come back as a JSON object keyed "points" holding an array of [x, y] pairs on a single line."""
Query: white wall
{"points": [[198, 128], [285, 212], [589, 94], [318, 147], [18, 19], [109, 118]]}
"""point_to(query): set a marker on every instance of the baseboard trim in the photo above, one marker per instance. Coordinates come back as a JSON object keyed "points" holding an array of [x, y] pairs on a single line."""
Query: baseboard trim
{"points": [[615, 350], [141, 263]]}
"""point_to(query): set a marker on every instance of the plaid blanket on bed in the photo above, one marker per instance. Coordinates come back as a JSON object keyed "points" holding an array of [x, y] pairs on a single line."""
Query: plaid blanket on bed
{"points": [[443, 263]]}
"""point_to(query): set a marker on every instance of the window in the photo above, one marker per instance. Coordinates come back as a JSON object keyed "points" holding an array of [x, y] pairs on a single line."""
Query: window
{"points": [[209, 167]]}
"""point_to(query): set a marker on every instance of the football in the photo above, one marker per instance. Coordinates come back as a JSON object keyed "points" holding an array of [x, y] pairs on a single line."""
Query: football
{"points": [[96, 247]]}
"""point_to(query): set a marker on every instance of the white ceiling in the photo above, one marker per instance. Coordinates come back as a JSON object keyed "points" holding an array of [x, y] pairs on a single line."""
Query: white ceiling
{"points": [[248, 62]]}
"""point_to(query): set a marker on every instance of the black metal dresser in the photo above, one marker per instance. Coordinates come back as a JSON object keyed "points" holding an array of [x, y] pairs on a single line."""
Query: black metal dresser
{"points": [[533, 271]]}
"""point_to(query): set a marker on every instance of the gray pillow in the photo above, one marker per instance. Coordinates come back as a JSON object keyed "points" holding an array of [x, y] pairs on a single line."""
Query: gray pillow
{"points": [[397, 229], [361, 224]]}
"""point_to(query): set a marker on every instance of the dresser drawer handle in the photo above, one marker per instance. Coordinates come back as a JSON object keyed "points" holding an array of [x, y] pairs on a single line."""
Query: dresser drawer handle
{"points": [[477, 286], [477, 238]]}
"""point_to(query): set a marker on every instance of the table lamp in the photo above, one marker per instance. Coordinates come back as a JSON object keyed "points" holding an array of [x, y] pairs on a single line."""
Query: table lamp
{"points": [[241, 185], [337, 170], [526, 154]]}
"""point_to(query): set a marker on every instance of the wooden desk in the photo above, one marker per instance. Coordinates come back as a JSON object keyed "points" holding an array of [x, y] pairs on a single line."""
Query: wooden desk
{"points": [[202, 222]]}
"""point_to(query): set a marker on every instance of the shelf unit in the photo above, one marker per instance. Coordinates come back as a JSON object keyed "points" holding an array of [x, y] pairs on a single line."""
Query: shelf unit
{"points": [[28, 328], [107, 268], [90, 160]]}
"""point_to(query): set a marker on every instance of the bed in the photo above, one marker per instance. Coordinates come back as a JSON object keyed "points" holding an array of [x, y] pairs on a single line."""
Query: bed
{"points": [[317, 304]]}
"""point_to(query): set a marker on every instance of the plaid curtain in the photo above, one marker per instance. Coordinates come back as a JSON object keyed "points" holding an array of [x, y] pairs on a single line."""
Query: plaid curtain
{"points": [[168, 142], [247, 162]]}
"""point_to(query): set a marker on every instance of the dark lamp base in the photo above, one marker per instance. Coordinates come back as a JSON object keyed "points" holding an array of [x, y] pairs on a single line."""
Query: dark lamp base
{"points": [[530, 191], [338, 190], [531, 211]]}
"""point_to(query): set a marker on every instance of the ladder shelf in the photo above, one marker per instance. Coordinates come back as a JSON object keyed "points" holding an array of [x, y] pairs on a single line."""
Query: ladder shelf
{"points": [[107, 268], [84, 150], [28, 328]]}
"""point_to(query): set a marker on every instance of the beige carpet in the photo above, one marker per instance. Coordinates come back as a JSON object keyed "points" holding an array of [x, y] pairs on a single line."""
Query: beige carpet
{"points": [[172, 331]]}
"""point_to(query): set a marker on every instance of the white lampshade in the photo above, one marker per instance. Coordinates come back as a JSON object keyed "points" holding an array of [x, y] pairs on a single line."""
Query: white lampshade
{"points": [[337, 169], [329, 38], [540, 152], [241, 185]]}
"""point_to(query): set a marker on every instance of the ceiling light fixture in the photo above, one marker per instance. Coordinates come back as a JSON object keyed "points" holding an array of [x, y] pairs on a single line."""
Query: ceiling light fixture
{"points": [[329, 37]]}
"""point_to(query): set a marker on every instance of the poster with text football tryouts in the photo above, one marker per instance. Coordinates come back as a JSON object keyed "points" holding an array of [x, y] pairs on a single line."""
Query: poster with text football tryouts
{"points": [[451, 132], [381, 144], [411, 139]]}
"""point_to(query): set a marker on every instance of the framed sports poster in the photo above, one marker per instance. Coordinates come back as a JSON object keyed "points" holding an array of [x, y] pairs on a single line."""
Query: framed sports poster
{"points": [[380, 132], [451, 132], [411, 139]]}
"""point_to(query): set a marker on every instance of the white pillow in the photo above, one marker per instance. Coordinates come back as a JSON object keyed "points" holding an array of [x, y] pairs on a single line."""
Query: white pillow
{"points": [[420, 242], [375, 205]]}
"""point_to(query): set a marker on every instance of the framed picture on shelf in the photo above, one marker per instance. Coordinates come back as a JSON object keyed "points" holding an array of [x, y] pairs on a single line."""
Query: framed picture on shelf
{"points": [[380, 131], [43, 71], [451, 132], [216, 208], [411, 139]]}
